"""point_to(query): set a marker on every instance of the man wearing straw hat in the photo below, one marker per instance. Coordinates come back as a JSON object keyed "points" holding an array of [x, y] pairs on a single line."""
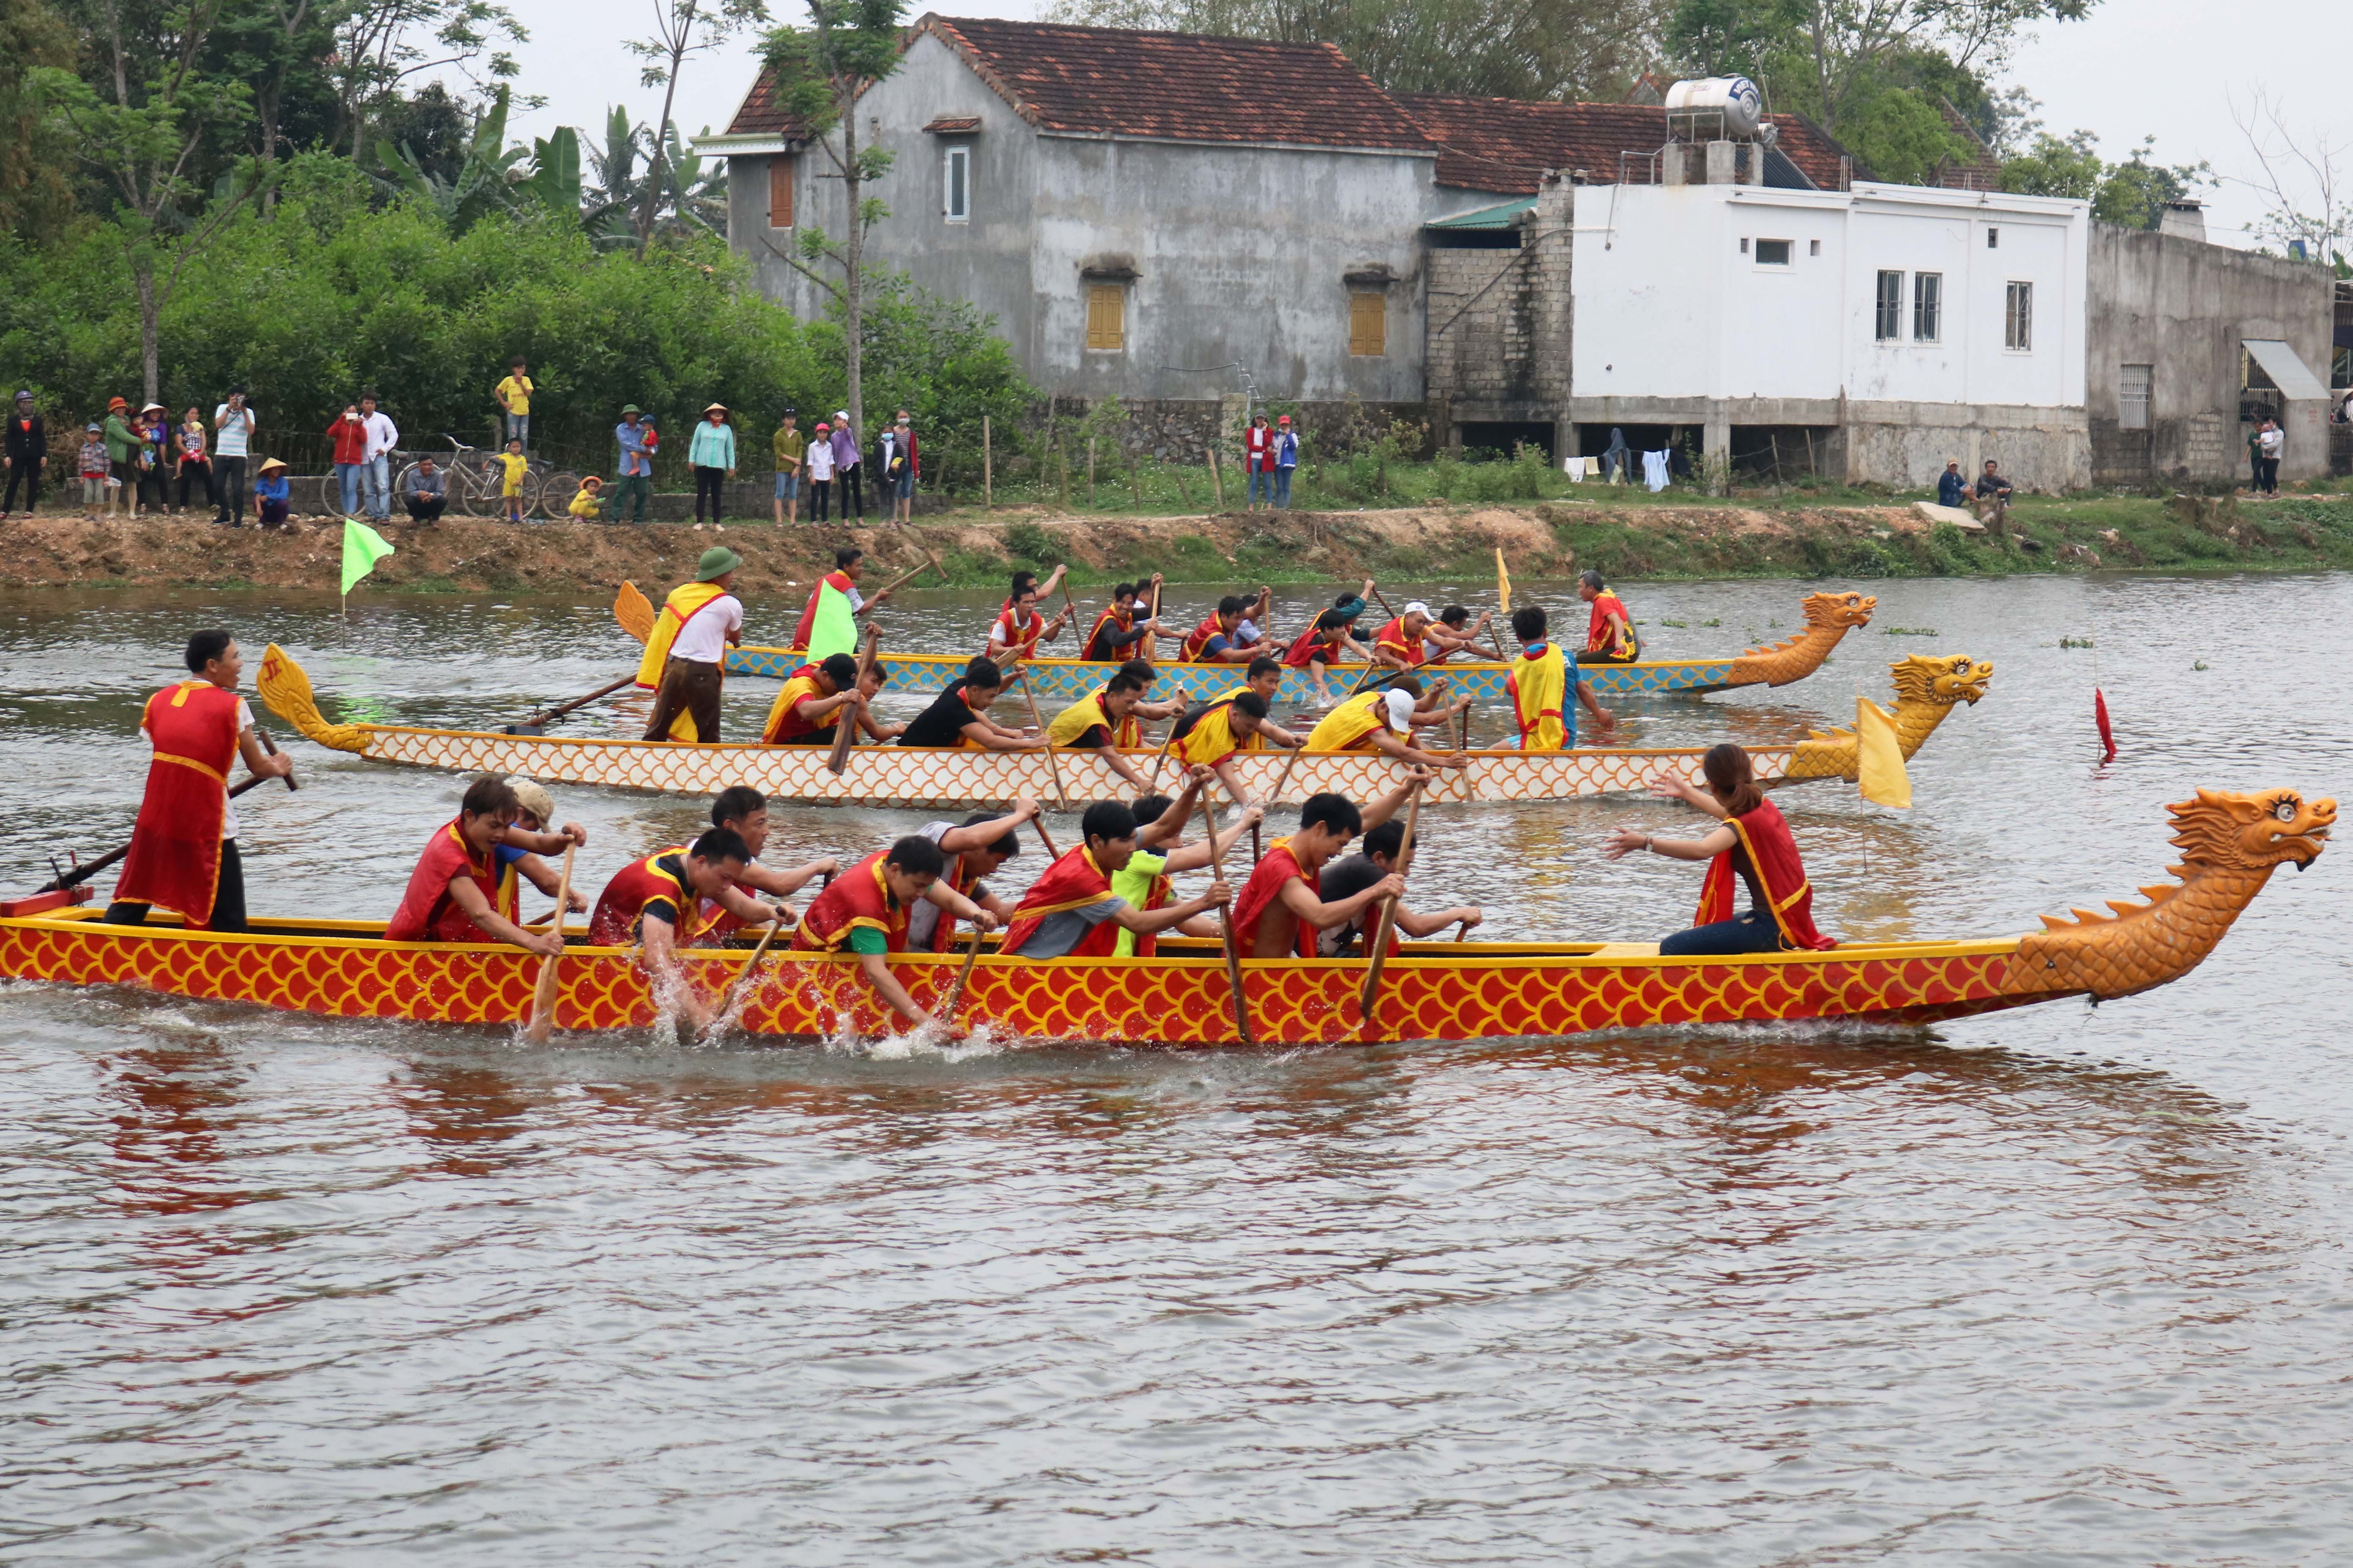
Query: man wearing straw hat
{"points": [[689, 645]]}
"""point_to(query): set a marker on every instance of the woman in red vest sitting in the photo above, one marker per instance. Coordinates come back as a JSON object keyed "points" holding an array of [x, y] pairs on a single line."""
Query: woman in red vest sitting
{"points": [[1753, 845]]}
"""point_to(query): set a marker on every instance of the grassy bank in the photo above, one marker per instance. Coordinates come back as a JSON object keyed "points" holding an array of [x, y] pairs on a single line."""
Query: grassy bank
{"points": [[1625, 539]]}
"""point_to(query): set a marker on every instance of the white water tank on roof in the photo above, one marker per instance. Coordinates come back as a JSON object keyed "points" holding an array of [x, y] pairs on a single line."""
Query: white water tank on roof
{"points": [[1734, 97]]}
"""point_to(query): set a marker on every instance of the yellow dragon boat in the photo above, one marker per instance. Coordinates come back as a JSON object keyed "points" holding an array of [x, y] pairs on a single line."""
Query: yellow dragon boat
{"points": [[2230, 844], [1926, 688], [1828, 618]]}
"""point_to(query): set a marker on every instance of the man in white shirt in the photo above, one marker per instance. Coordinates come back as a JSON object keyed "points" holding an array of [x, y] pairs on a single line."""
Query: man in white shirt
{"points": [[233, 428], [692, 676], [2271, 442], [375, 473]]}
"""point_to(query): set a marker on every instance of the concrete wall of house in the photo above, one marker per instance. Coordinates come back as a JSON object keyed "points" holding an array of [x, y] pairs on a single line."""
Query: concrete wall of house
{"points": [[1500, 324], [2183, 308], [1239, 253], [1680, 320]]}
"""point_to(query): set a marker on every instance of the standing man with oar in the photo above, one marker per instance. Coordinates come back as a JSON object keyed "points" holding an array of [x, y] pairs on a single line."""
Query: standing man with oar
{"points": [[184, 851], [686, 653]]}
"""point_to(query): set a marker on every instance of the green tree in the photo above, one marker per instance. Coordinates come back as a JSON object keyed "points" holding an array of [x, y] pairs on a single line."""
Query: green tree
{"points": [[2051, 166], [820, 71], [142, 132], [2134, 194], [682, 27], [36, 196], [940, 359], [380, 44]]}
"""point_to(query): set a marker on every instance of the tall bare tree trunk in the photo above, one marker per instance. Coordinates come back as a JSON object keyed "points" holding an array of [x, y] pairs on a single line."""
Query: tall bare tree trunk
{"points": [[142, 270], [853, 285], [646, 208]]}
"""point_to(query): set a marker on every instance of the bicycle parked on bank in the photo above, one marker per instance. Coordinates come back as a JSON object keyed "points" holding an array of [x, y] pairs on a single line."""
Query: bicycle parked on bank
{"points": [[475, 481]]}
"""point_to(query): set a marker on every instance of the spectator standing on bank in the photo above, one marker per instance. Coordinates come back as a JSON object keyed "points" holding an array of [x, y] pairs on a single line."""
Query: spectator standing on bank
{"points": [[889, 462], [121, 455], [787, 444], [1952, 490], [848, 487], [906, 489], [154, 463], [820, 470], [2270, 442], [512, 468], [233, 427], [514, 401], [427, 492], [383, 437], [1258, 445], [188, 443], [94, 471], [711, 454], [636, 465], [1285, 459], [349, 454], [27, 449]]}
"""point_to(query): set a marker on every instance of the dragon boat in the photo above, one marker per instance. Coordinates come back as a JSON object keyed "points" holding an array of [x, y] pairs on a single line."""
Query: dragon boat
{"points": [[2230, 844], [1927, 688], [1828, 618]]}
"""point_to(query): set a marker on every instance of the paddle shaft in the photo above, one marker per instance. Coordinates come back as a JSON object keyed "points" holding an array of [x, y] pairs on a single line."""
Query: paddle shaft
{"points": [[743, 982], [1380, 949], [1226, 925], [1061, 796], [543, 999], [844, 718], [546, 714], [909, 576], [80, 874], [955, 989], [1151, 639]]}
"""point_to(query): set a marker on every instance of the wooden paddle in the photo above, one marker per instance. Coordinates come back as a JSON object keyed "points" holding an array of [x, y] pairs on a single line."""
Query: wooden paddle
{"points": [[1153, 783], [1061, 796], [80, 874], [1462, 930], [929, 564], [1380, 948], [955, 989], [1226, 925], [270, 749], [1152, 638], [1384, 602], [542, 998], [547, 715], [743, 982], [845, 720], [1039, 824]]}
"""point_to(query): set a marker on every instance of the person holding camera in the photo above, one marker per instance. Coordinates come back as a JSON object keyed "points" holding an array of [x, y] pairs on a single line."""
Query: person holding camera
{"points": [[233, 428]]}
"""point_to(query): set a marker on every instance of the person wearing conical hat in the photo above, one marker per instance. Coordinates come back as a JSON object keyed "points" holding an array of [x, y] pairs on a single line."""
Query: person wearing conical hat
{"points": [[687, 650], [273, 494], [713, 455]]}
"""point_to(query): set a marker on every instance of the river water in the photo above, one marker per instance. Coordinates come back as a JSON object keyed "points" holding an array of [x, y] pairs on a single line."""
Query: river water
{"points": [[2064, 1285]]}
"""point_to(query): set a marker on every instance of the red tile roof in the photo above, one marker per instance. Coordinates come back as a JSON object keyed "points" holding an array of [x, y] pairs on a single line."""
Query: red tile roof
{"points": [[950, 124], [1111, 81], [1503, 145], [1981, 171], [759, 116]]}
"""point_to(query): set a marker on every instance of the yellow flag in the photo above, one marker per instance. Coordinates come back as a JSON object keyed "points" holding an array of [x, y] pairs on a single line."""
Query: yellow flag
{"points": [[1502, 585], [1879, 759]]}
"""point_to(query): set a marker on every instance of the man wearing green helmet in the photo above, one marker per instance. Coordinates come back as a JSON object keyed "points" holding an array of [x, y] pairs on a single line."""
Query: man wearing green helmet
{"points": [[686, 653]]}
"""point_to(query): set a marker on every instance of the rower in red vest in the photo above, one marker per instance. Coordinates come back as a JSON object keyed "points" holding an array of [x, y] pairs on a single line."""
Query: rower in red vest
{"points": [[1610, 634], [461, 889], [1118, 630], [183, 850], [1282, 907], [867, 910], [1320, 647], [1219, 638], [1400, 644], [809, 706], [657, 905], [1072, 911], [1753, 845], [744, 811], [1018, 627]]}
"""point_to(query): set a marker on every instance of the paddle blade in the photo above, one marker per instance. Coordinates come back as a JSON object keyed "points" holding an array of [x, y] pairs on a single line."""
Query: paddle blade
{"points": [[2100, 717], [634, 611], [1880, 756], [1503, 586]]}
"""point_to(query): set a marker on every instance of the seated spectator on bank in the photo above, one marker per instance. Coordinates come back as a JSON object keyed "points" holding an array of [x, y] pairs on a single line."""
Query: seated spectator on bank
{"points": [[1952, 490], [1993, 495], [426, 492], [272, 493]]}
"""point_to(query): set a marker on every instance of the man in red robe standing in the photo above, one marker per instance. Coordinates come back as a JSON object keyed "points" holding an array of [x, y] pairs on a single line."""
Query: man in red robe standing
{"points": [[184, 851]]}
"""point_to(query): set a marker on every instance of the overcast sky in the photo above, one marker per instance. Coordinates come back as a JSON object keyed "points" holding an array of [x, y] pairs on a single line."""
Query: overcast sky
{"points": [[2173, 67]]}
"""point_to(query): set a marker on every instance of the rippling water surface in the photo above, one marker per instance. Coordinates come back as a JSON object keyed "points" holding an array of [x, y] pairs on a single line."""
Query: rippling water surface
{"points": [[2064, 1285]]}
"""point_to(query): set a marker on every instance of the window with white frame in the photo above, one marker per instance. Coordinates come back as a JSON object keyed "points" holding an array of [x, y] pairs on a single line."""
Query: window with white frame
{"points": [[1927, 307], [2018, 317], [1890, 324], [2132, 395], [957, 195], [1772, 253]]}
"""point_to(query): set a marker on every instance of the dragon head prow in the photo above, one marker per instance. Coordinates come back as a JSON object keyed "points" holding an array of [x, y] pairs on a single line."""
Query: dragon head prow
{"points": [[1941, 678], [1839, 610], [2224, 830]]}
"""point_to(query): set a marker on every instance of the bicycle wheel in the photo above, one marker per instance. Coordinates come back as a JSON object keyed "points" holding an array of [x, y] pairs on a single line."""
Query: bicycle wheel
{"points": [[555, 492], [476, 484], [331, 496]]}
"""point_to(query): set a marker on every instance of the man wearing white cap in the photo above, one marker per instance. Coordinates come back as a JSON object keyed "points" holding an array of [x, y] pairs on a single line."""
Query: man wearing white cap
{"points": [[1398, 644], [1383, 722], [534, 834]]}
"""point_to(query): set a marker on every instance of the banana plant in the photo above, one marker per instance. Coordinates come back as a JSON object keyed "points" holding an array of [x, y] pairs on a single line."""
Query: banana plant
{"points": [[482, 185], [698, 198]]}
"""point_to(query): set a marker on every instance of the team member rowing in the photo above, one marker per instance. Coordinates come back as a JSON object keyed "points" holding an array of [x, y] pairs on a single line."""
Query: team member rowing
{"points": [[1018, 628], [657, 904], [807, 709], [1118, 632], [866, 911], [1383, 722], [828, 623], [744, 811], [459, 890], [971, 850], [1072, 911], [1538, 685], [958, 716]]}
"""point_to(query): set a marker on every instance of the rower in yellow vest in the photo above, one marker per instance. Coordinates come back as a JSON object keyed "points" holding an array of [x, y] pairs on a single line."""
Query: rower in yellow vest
{"points": [[1379, 721], [687, 650], [1538, 684], [1093, 724]]}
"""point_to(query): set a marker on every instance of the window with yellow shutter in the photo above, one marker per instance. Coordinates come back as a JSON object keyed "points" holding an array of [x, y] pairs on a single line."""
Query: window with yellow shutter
{"points": [[780, 191], [1106, 316], [1369, 323]]}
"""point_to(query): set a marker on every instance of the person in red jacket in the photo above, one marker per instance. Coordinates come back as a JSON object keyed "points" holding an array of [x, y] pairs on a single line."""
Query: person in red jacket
{"points": [[349, 434], [183, 850], [1258, 458]]}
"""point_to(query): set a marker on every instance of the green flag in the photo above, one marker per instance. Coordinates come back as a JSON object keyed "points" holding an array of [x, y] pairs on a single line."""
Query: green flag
{"points": [[833, 629], [363, 548]]}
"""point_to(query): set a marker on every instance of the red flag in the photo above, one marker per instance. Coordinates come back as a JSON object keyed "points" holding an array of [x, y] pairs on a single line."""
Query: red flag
{"points": [[2100, 714]]}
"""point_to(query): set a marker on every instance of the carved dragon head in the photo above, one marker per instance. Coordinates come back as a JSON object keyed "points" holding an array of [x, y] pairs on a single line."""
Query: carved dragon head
{"points": [[2227, 830], [1940, 678], [1839, 611]]}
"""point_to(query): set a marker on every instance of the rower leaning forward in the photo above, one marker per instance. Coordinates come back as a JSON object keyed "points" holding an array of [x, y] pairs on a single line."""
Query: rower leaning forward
{"points": [[685, 652], [183, 850]]}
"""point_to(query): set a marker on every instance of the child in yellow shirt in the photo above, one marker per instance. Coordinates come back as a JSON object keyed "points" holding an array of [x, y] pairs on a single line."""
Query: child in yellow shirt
{"points": [[584, 505], [517, 465]]}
